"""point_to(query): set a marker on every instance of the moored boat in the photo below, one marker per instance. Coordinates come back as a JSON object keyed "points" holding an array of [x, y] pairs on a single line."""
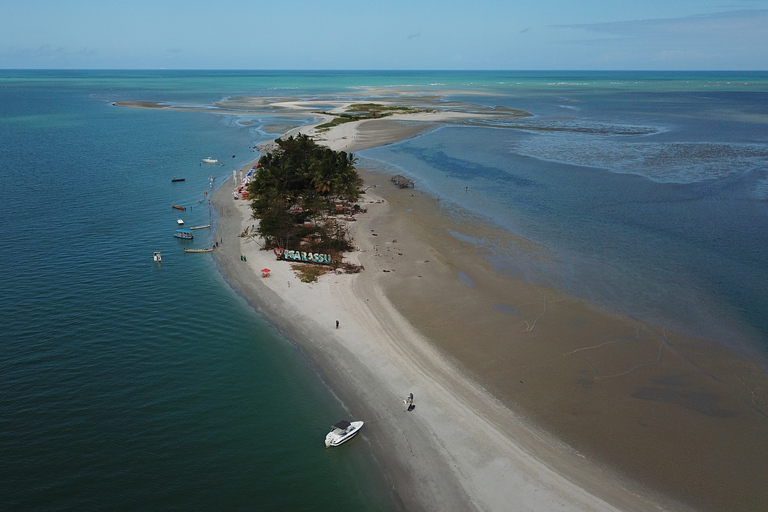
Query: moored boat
{"points": [[198, 250], [180, 222], [156, 256], [200, 227], [177, 207], [209, 160], [342, 432], [184, 234], [175, 180]]}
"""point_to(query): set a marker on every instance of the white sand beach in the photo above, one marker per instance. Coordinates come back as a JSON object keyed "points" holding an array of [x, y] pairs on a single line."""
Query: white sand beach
{"points": [[459, 448]]}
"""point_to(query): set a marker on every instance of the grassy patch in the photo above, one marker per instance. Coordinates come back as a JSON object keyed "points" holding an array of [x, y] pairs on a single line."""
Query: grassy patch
{"points": [[365, 111], [310, 273], [376, 107]]}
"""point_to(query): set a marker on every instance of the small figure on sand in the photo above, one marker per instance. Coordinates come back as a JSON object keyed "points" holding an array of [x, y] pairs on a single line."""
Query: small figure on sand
{"points": [[337, 324], [409, 402]]}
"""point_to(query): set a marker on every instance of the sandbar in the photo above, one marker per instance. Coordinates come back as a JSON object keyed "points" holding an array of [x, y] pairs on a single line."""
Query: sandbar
{"points": [[526, 398]]}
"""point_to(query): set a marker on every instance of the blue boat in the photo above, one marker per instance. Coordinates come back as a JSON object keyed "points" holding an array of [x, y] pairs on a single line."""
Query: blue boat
{"points": [[184, 234]]}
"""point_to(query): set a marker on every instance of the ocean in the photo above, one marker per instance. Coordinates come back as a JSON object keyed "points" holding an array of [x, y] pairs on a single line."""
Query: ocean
{"points": [[126, 384]]}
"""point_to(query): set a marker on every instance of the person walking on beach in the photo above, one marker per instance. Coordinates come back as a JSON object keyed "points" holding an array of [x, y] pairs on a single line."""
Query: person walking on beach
{"points": [[408, 402]]}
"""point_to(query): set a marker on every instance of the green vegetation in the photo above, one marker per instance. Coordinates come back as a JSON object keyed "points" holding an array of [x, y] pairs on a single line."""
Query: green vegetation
{"points": [[308, 273], [361, 111], [297, 193], [371, 107]]}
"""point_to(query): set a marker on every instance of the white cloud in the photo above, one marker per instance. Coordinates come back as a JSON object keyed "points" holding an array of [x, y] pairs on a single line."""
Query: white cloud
{"points": [[732, 23], [724, 40]]}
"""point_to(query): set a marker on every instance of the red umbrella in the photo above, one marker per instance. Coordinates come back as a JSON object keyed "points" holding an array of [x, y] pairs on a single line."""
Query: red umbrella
{"points": [[265, 270]]}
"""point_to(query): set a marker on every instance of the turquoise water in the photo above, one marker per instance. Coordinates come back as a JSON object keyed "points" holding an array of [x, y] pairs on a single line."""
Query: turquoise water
{"points": [[126, 384], [130, 385]]}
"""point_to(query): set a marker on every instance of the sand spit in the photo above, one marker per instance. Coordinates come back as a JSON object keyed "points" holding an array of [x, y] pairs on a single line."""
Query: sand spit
{"points": [[526, 399]]}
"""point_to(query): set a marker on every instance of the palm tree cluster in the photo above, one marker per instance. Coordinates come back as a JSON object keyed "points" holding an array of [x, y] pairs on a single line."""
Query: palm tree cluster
{"points": [[299, 182]]}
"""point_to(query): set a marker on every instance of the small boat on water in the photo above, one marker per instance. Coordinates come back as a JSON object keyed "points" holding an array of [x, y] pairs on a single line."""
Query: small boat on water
{"points": [[198, 250], [156, 256], [180, 222], [177, 207], [200, 227], [209, 160], [342, 432], [176, 180], [184, 234]]}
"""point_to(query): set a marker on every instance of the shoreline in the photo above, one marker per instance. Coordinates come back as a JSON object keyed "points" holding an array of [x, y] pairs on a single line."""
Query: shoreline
{"points": [[659, 385], [374, 359]]}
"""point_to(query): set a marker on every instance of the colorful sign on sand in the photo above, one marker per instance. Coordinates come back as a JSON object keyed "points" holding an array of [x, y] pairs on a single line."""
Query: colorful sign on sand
{"points": [[306, 257]]}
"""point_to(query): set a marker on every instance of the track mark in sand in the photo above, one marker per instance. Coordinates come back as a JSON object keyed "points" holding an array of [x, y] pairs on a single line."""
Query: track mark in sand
{"points": [[663, 343], [529, 326]]}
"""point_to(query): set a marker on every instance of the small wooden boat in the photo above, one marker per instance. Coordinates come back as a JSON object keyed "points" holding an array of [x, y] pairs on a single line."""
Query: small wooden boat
{"points": [[200, 227], [210, 160], [177, 207], [198, 250], [184, 234], [176, 180]]}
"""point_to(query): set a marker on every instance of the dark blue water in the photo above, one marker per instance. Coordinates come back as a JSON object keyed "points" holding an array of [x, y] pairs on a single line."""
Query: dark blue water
{"points": [[131, 385]]}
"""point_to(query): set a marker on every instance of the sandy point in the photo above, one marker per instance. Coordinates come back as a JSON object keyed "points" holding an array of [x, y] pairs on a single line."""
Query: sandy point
{"points": [[459, 448]]}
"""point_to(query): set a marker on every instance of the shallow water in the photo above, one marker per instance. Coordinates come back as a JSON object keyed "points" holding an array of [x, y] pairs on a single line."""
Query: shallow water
{"points": [[645, 202]]}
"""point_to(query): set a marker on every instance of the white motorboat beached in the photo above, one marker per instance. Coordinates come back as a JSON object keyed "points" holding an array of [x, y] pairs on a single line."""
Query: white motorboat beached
{"points": [[342, 432], [209, 160]]}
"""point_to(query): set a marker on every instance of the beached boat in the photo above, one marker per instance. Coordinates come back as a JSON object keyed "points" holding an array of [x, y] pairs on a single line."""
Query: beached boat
{"points": [[156, 256], [184, 234], [198, 250], [177, 207], [210, 160], [200, 227], [176, 180], [342, 432]]}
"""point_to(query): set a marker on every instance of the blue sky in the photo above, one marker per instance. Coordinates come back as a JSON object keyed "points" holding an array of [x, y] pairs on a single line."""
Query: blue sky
{"points": [[415, 34]]}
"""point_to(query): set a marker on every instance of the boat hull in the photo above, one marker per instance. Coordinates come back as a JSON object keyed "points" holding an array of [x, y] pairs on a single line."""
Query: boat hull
{"points": [[334, 438], [184, 234]]}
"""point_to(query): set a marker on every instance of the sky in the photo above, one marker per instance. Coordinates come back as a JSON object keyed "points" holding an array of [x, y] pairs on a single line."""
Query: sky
{"points": [[385, 34]]}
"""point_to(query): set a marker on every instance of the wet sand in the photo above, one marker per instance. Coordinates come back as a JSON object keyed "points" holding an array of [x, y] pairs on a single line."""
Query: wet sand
{"points": [[663, 412]]}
